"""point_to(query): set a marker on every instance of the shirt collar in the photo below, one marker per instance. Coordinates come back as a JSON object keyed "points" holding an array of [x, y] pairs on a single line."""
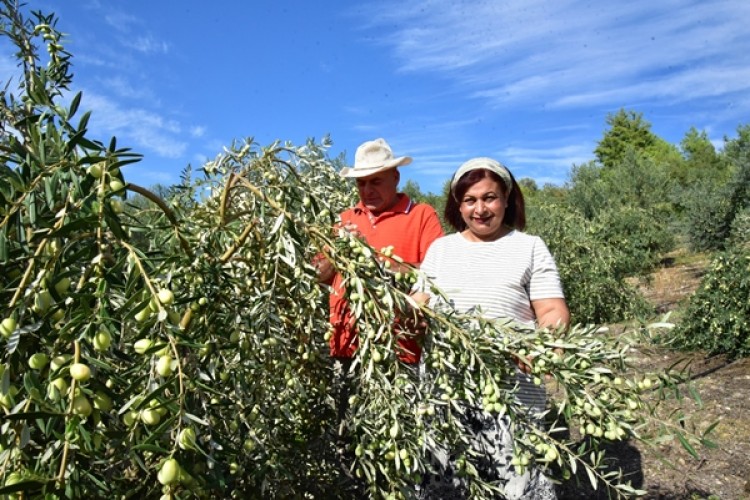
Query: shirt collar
{"points": [[403, 206]]}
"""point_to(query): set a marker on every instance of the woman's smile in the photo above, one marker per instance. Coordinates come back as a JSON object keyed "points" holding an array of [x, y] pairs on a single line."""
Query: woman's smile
{"points": [[483, 209]]}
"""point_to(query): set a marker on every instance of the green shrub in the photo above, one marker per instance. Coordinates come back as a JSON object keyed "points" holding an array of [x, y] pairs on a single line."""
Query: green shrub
{"points": [[707, 216], [592, 270], [712, 209], [717, 319], [639, 236], [740, 228]]}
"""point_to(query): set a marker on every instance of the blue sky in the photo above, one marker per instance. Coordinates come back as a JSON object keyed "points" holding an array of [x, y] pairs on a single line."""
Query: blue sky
{"points": [[529, 82]]}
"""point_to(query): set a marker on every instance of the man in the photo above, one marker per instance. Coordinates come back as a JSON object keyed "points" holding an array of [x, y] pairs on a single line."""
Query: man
{"points": [[383, 217]]}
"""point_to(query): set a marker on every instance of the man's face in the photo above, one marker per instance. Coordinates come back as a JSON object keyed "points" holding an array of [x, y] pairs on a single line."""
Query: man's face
{"points": [[378, 191]]}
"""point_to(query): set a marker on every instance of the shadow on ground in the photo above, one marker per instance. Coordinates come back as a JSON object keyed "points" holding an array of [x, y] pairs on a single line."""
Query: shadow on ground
{"points": [[621, 457]]}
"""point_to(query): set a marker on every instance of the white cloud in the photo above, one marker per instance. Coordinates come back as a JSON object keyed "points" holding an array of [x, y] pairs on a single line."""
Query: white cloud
{"points": [[200, 159], [146, 44], [696, 84], [566, 51], [146, 129], [363, 127], [573, 59], [121, 21], [197, 131], [128, 26], [545, 163], [123, 88], [157, 177], [356, 110]]}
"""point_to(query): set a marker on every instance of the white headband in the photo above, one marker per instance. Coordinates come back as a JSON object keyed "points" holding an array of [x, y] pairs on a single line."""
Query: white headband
{"points": [[486, 163]]}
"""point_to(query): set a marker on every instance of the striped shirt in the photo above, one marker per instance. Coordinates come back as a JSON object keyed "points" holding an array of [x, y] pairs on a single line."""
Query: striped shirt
{"points": [[501, 278]]}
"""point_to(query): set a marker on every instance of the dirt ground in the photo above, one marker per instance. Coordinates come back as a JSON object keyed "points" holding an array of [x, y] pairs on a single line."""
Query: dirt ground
{"points": [[724, 387]]}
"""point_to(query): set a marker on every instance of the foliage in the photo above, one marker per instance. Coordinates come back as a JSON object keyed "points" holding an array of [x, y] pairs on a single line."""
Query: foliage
{"points": [[718, 313], [740, 233], [708, 216], [638, 239], [717, 318], [177, 347], [628, 131], [592, 268], [588, 191], [637, 181], [702, 161], [625, 204], [714, 208], [611, 228], [436, 201], [528, 186]]}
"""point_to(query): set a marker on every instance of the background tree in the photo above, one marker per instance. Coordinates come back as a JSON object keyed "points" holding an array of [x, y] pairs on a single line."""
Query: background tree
{"points": [[436, 201], [711, 205], [627, 131], [587, 190], [594, 269], [702, 161], [528, 186]]}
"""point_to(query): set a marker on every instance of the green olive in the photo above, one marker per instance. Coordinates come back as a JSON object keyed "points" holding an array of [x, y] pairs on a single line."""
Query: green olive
{"points": [[59, 361], [116, 206], [38, 361], [102, 401], [62, 286], [142, 345], [80, 372], [166, 296], [143, 314], [96, 170], [149, 416], [102, 340], [116, 185], [169, 472], [129, 418], [186, 438], [7, 327], [81, 405], [164, 365], [57, 388], [42, 302]]}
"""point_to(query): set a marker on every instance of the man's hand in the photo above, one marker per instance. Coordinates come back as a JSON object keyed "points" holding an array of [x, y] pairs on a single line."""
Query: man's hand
{"points": [[351, 229], [325, 269], [411, 322]]}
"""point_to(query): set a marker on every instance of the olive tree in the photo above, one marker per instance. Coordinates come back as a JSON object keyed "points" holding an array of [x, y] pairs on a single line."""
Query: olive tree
{"points": [[177, 347]]}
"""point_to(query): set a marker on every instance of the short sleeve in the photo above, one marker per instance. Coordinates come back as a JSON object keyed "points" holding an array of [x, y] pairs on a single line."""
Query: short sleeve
{"points": [[545, 278]]}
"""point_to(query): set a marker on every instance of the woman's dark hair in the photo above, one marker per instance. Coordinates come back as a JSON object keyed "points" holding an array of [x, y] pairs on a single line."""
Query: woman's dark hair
{"points": [[515, 213]]}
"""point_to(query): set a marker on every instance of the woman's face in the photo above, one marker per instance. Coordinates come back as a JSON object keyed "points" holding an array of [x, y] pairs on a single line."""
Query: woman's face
{"points": [[483, 209]]}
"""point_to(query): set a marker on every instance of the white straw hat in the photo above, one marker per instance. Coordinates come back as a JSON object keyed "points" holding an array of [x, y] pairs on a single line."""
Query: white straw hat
{"points": [[373, 157]]}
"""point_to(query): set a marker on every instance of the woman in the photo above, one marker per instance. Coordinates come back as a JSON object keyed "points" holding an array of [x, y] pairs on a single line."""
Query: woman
{"points": [[491, 266]]}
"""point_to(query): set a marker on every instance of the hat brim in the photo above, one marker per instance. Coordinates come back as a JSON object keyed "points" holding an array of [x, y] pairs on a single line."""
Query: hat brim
{"points": [[367, 171]]}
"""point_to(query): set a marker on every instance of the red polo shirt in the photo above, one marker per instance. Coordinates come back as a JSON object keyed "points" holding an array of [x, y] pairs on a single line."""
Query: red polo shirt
{"points": [[410, 228]]}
